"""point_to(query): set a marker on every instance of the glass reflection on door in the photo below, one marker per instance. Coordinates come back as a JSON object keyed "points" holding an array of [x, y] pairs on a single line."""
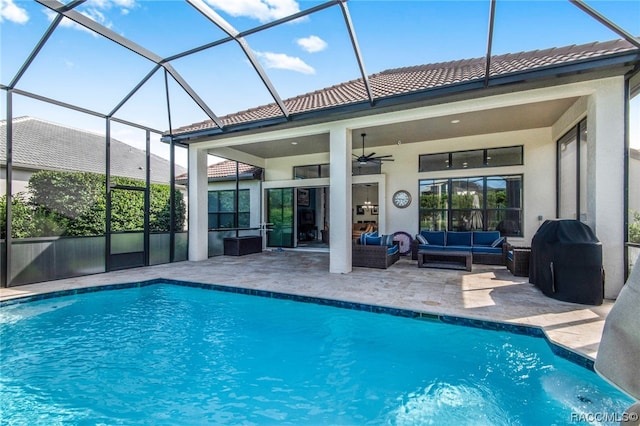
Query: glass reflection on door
{"points": [[280, 208]]}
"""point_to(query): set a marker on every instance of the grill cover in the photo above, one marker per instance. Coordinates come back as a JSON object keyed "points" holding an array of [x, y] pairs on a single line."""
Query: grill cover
{"points": [[566, 262]]}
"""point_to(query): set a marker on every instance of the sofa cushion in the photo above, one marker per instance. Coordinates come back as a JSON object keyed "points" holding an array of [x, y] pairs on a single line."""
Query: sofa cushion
{"points": [[430, 247], [485, 238], [437, 238], [457, 248], [372, 241], [487, 250], [455, 238], [421, 239], [392, 250], [367, 234]]}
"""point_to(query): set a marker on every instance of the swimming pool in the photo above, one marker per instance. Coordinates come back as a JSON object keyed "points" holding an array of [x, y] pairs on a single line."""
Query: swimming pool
{"points": [[179, 354]]}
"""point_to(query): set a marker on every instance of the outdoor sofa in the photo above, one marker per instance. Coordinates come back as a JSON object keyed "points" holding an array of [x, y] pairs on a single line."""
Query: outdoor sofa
{"points": [[486, 247], [374, 251]]}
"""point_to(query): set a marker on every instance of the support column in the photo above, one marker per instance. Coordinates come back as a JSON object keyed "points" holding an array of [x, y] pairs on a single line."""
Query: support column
{"points": [[340, 204], [605, 178], [198, 236]]}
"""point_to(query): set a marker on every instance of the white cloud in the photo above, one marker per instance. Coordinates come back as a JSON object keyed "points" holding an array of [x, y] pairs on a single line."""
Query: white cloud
{"points": [[13, 13], [108, 4], [285, 62], [68, 23], [312, 44], [262, 10], [95, 10]]}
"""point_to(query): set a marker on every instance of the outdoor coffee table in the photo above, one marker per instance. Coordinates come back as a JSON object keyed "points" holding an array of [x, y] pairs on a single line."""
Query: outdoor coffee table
{"points": [[444, 259]]}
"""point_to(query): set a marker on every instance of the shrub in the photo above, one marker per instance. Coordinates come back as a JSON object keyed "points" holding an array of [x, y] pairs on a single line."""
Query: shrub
{"points": [[22, 225], [74, 204], [634, 228]]}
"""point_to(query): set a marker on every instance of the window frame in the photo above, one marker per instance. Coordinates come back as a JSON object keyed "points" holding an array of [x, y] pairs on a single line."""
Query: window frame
{"points": [[243, 213], [448, 213], [485, 161], [579, 129]]}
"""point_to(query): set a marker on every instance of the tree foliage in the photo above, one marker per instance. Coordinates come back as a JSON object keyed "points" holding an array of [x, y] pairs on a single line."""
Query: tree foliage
{"points": [[634, 228], [21, 217]]}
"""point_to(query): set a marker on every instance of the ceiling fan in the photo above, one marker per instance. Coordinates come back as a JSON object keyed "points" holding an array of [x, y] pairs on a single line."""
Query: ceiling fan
{"points": [[370, 158]]}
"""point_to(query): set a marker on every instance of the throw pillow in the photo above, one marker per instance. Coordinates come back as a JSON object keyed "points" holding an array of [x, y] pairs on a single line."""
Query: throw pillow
{"points": [[387, 240], [372, 241], [498, 242], [421, 239]]}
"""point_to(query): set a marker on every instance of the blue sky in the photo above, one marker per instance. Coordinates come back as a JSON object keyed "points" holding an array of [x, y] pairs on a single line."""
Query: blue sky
{"points": [[315, 52]]}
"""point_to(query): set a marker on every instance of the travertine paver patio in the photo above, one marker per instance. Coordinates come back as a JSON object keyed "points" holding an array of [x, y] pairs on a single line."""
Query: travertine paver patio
{"points": [[488, 292]]}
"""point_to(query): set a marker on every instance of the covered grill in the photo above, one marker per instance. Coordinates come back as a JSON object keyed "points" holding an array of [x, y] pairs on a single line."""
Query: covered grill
{"points": [[566, 262]]}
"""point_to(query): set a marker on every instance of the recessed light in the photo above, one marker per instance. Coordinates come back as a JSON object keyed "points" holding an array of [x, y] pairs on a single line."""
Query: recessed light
{"points": [[456, 121], [294, 143]]}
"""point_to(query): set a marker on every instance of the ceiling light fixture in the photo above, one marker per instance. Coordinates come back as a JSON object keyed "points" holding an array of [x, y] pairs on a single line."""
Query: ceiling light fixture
{"points": [[456, 121]]}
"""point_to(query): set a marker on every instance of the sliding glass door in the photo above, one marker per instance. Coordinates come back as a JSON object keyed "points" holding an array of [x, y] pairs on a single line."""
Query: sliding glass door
{"points": [[280, 209]]}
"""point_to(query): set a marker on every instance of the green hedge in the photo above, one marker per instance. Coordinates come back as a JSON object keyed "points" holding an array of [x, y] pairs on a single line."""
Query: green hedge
{"points": [[74, 204]]}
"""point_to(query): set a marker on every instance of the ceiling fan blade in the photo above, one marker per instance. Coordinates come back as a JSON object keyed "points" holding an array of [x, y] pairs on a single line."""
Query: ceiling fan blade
{"points": [[385, 156], [370, 155]]}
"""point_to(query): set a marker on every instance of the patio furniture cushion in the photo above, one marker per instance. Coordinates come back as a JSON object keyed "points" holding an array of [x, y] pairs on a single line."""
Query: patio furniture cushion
{"points": [[387, 240], [364, 235], [429, 247], [498, 242], [392, 250], [457, 248], [437, 238], [370, 240], [485, 238], [483, 249], [455, 238], [421, 239]]}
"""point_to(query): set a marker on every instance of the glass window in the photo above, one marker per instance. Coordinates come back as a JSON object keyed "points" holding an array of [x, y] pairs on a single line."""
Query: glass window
{"points": [[567, 176], [222, 212], [366, 169], [509, 156], [504, 204], [633, 181], [582, 176], [434, 202], [476, 203], [311, 172], [491, 157], [434, 162], [467, 159]]}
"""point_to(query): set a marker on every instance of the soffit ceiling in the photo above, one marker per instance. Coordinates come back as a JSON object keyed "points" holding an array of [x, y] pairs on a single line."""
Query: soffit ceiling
{"points": [[520, 117]]}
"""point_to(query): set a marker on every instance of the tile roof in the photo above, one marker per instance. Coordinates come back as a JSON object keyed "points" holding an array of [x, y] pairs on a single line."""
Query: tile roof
{"points": [[226, 169], [39, 144], [405, 80]]}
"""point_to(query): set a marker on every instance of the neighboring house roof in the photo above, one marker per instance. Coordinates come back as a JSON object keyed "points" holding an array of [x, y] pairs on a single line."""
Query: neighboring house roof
{"points": [[226, 170], [39, 144], [402, 81]]}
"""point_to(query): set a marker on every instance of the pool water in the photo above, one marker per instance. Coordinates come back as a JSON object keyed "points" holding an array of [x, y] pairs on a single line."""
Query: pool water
{"points": [[168, 355]]}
